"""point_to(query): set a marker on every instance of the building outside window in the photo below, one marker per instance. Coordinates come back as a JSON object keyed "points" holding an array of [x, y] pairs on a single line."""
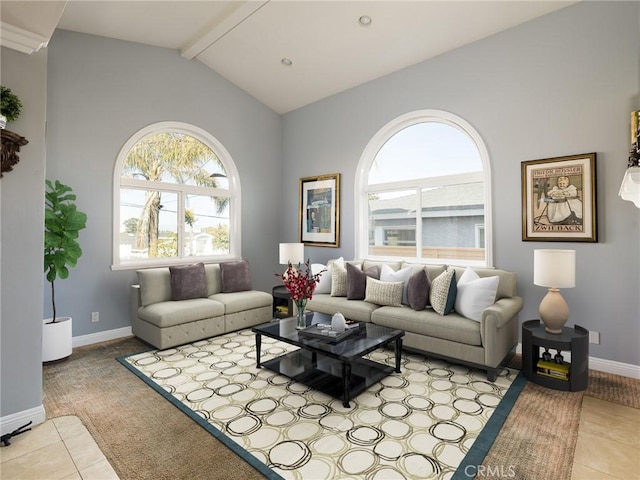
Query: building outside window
{"points": [[424, 190]]}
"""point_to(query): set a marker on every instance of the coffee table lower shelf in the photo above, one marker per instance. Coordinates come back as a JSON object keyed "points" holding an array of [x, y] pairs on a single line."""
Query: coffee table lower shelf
{"points": [[344, 380]]}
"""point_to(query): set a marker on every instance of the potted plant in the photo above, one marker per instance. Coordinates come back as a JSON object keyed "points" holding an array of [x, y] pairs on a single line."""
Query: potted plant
{"points": [[10, 106], [63, 222]]}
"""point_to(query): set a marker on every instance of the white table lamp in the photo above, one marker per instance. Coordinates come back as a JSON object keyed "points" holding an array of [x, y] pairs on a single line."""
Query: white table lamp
{"points": [[291, 253], [554, 269]]}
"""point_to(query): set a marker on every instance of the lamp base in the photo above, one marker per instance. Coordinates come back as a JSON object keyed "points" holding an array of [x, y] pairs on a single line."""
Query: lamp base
{"points": [[554, 311]]}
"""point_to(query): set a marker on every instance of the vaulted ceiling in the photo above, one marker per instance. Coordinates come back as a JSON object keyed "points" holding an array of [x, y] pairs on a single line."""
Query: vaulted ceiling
{"points": [[329, 45]]}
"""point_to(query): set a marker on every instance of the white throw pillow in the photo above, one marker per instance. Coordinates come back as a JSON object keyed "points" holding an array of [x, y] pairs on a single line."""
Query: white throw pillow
{"points": [[475, 294], [388, 274], [324, 285]]}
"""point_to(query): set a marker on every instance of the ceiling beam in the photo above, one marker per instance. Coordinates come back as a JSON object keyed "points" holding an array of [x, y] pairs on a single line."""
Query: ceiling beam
{"points": [[204, 41]]}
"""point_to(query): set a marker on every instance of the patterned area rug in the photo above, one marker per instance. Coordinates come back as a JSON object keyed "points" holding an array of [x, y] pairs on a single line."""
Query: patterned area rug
{"points": [[433, 420]]}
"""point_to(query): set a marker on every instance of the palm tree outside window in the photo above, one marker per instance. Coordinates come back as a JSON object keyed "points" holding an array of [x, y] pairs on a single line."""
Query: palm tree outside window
{"points": [[178, 196]]}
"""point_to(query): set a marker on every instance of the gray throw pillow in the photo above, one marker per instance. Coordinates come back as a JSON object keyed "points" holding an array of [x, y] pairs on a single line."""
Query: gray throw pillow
{"points": [[357, 280], [188, 282], [418, 289], [236, 276]]}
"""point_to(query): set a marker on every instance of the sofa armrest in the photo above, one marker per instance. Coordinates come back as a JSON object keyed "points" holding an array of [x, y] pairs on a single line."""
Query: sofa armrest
{"points": [[499, 329], [496, 315], [135, 301]]}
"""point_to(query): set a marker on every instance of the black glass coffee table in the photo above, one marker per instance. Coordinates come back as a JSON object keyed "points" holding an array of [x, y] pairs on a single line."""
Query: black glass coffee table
{"points": [[337, 369]]}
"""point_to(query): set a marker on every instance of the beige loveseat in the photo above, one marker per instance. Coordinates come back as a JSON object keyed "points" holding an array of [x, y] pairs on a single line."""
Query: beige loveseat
{"points": [[165, 323], [483, 343]]}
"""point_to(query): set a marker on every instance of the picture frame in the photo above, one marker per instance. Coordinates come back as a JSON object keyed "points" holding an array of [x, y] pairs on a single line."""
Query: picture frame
{"points": [[319, 216], [559, 199]]}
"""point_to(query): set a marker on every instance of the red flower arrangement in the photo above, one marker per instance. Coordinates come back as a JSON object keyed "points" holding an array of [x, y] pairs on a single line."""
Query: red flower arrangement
{"points": [[300, 282]]}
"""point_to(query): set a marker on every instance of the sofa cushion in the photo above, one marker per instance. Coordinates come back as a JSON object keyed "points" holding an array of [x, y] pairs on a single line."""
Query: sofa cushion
{"points": [[155, 285], [236, 276], [418, 289], [453, 327], [168, 314], [357, 280], [241, 301], [474, 294], [387, 274], [443, 292], [358, 310], [188, 281], [383, 293], [370, 263], [214, 278]]}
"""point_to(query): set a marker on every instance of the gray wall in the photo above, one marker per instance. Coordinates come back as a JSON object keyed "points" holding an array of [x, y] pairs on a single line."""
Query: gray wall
{"points": [[559, 85], [562, 84], [21, 221], [102, 91]]}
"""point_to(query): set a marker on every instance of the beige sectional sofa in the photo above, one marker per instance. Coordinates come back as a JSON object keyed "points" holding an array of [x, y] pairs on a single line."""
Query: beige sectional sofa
{"points": [[484, 342], [163, 322]]}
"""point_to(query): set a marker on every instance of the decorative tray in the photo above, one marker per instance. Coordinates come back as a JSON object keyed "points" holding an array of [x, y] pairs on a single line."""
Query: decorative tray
{"points": [[314, 331]]}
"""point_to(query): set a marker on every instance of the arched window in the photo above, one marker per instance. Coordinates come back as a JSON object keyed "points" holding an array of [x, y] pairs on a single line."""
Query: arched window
{"points": [[423, 189], [176, 198]]}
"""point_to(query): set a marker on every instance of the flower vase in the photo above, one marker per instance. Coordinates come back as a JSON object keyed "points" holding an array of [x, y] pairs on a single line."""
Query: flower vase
{"points": [[302, 319]]}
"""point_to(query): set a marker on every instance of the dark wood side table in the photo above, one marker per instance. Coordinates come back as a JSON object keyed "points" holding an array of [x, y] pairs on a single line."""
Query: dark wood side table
{"points": [[281, 298], [574, 340]]}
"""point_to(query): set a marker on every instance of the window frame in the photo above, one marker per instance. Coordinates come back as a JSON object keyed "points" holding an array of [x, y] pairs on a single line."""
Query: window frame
{"points": [[362, 187], [233, 192]]}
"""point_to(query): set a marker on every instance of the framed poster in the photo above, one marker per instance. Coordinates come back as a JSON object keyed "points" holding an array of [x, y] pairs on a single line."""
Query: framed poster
{"points": [[319, 222], [559, 199]]}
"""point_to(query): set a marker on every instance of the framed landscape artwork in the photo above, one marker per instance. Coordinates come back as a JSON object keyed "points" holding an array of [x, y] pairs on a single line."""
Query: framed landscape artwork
{"points": [[319, 222], [559, 199]]}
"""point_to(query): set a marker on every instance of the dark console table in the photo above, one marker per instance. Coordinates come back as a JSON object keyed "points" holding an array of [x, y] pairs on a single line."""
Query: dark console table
{"points": [[537, 344]]}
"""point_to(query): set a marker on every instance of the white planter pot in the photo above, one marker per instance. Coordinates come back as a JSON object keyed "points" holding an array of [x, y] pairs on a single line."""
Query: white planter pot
{"points": [[56, 339]]}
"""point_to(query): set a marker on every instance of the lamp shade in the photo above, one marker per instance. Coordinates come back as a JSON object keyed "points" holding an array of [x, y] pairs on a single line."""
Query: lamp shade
{"points": [[291, 253], [554, 268], [630, 188]]}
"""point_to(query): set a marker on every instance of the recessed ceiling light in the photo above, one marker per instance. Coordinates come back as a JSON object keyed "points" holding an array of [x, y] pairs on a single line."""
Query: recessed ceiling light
{"points": [[286, 62], [365, 20]]}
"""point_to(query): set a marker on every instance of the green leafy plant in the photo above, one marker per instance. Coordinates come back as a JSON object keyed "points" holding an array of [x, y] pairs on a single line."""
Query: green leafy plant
{"points": [[62, 222], [10, 104]]}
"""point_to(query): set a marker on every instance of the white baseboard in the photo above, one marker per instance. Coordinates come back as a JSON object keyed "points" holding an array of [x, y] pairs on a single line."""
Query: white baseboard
{"points": [[12, 422], [602, 365], [105, 336]]}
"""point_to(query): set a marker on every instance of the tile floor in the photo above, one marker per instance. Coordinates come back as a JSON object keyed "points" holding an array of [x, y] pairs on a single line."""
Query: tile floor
{"points": [[58, 449], [608, 448], [608, 445]]}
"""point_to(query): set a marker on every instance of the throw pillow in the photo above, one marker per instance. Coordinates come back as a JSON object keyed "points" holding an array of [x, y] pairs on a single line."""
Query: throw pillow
{"points": [[324, 285], [236, 276], [475, 294], [383, 293], [443, 292], [388, 274], [357, 280], [418, 289], [188, 282], [338, 281]]}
